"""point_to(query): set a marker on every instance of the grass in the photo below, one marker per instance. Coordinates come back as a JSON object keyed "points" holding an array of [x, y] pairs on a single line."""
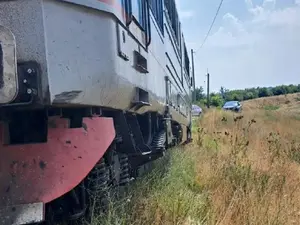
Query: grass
{"points": [[271, 107], [241, 169]]}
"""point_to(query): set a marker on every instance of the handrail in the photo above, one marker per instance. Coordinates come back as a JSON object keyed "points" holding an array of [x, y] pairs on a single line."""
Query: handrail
{"points": [[149, 25]]}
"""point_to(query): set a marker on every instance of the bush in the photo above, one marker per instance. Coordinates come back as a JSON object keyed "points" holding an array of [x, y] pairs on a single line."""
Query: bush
{"points": [[217, 101]]}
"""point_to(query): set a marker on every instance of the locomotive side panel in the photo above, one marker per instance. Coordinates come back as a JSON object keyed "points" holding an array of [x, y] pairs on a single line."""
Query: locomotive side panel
{"points": [[173, 54], [177, 62], [81, 57], [96, 74], [152, 80]]}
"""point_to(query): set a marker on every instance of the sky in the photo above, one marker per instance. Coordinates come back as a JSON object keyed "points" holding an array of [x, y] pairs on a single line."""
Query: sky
{"points": [[253, 43]]}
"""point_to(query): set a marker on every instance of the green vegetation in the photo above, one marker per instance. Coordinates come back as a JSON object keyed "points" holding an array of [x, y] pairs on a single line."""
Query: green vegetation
{"points": [[169, 193], [271, 107], [218, 99]]}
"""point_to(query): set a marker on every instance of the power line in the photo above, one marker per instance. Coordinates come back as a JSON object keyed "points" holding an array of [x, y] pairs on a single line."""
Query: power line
{"points": [[211, 26]]}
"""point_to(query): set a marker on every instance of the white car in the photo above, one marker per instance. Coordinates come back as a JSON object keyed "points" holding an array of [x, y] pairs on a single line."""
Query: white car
{"points": [[196, 110]]}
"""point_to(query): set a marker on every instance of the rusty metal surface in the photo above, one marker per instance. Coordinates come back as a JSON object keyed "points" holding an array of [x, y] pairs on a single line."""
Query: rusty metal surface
{"points": [[22, 214], [45, 171], [9, 80]]}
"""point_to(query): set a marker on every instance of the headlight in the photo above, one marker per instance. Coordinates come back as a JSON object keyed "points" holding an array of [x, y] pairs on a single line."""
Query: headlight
{"points": [[8, 66]]}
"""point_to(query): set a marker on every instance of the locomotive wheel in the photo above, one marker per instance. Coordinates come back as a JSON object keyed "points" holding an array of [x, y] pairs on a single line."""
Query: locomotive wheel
{"points": [[107, 181]]}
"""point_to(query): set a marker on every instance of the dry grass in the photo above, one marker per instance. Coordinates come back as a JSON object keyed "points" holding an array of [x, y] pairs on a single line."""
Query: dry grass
{"points": [[241, 169], [250, 163]]}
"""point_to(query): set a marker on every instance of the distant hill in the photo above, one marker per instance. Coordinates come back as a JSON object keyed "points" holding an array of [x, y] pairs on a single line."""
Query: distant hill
{"points": [[281, 102]]}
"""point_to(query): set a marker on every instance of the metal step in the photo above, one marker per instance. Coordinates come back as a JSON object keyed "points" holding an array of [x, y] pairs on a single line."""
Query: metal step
{"points": [[137, 134]]}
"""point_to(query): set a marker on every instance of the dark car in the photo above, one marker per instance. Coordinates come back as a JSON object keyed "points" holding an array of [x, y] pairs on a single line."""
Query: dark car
{"points": [[233, 106]]}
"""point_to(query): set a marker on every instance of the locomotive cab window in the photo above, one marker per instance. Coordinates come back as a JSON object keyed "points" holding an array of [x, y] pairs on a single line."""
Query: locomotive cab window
{"points": [[139, 12], [157, 10], [186, 62], [173, 19]]}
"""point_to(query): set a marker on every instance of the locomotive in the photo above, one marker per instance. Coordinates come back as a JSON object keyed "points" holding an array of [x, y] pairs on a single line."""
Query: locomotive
{"points": [[90, 92]]}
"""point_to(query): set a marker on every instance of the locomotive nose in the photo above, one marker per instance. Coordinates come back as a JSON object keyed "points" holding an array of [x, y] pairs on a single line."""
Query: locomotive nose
{"points": [[8, 66]]}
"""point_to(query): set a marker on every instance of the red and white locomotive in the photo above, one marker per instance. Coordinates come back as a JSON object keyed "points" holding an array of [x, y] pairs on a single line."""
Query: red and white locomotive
{"points": [[90, 91]]}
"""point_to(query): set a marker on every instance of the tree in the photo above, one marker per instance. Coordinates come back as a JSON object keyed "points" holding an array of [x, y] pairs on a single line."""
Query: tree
{"points": [[223, 92], [278, 90], [292, 88], [264, 92], [216, 100], [199, 92], [248, 95]]}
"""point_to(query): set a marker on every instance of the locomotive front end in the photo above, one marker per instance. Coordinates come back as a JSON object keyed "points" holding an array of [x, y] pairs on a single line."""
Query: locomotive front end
{"points": [[9, 92], [44, 153]]}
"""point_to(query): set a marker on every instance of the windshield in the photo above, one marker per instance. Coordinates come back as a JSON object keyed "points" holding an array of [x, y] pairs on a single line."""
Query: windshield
{"points": [[233, 103]]}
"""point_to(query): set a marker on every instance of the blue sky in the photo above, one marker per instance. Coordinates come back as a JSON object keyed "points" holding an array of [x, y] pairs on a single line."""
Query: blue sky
{"points": [[253, 42]]}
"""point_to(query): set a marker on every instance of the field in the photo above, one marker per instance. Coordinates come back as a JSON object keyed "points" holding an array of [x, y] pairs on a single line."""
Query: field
{"points": [[241, 169]]}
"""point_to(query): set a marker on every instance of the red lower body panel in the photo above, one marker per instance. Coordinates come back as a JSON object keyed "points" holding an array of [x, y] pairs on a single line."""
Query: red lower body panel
{"points": [[45, 171]]}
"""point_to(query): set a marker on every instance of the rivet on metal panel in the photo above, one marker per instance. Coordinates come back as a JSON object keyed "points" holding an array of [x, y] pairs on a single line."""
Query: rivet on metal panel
{"points": [[29, 91]]}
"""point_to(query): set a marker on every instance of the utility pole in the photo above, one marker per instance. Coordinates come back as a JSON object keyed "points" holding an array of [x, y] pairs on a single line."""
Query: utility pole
{"points": [[208, 97], [193, 75]]}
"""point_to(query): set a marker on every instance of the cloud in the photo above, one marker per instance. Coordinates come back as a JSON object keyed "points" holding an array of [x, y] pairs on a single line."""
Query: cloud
{"points": [[259, 51], [186, 14], [249, 4], [269, 4], [233, 23]]}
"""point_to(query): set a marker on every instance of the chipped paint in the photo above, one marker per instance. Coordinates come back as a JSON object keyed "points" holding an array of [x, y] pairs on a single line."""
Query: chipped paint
{"points": [[84, 126], [42, 165], [66, 96]]}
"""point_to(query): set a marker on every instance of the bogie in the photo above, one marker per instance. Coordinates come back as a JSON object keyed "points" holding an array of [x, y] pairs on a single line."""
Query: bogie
{"points": [[90, 153]]}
